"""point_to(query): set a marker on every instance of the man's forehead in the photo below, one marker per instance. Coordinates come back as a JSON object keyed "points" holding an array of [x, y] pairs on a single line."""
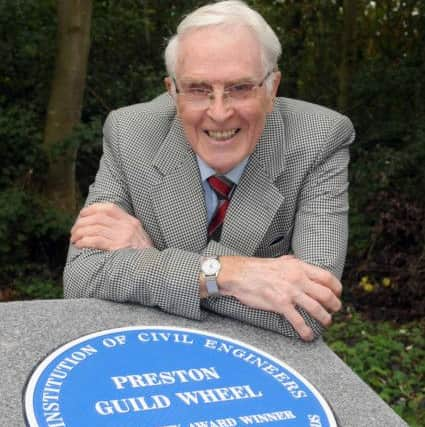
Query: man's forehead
{"points": [[212, 55], [232, 30]]}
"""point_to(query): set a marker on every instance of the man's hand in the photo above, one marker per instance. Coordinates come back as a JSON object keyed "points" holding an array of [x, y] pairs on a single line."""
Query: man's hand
{"points": [[281, 284], [106, 226]]}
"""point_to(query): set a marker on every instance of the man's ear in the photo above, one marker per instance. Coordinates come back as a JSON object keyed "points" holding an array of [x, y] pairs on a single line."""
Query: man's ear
{"points": [[276, 82], [273, 93], [168, 85]]}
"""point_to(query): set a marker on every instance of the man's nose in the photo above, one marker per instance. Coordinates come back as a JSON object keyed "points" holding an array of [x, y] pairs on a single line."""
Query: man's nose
{"points": [[220, 109]]}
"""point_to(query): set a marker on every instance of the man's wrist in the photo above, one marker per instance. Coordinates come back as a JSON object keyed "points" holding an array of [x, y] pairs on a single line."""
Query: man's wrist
{"points": [[230, 274], [210, 268], [228, 277]]}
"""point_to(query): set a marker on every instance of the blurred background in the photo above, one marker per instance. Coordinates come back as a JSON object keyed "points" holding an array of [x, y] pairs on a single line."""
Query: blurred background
{"points": [[65, 64]]}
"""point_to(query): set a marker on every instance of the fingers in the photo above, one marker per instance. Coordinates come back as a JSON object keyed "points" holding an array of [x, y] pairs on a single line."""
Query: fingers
{"points": [[109, 209], [98, 213], [92, 221], [108, 227], [283, 284], [296, 320], [92, 230], [318, 301], [99, 224], [317, 274], [94, 242], [323, 295], [323, 277], [315, 309]]}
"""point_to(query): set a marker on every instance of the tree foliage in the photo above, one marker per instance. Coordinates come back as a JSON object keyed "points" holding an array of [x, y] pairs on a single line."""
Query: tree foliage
{"points": [[367, 62]]}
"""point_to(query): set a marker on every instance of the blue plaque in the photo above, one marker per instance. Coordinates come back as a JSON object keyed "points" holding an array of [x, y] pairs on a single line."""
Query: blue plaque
{"points": [[168, 377]]}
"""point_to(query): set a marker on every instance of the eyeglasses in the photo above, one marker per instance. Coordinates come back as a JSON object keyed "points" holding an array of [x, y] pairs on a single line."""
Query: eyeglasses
{"points": [[199, 94]]}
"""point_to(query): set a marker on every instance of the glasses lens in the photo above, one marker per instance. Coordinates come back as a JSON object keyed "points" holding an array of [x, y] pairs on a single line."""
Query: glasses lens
{"points": [[200, 95], [241, 91]]}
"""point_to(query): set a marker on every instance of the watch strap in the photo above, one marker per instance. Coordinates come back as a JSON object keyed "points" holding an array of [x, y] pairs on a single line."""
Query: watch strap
{"points": [[210, 280]]}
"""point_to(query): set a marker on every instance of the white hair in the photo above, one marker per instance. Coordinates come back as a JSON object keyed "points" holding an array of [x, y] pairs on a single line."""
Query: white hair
{"points": [[227, 13]]}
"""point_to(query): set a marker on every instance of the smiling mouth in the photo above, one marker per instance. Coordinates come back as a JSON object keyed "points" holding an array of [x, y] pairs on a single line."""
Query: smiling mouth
{"points": [[222, 135]]}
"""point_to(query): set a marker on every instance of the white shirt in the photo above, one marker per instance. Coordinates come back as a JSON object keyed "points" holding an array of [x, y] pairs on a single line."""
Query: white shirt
{"points": [[211, 200]]}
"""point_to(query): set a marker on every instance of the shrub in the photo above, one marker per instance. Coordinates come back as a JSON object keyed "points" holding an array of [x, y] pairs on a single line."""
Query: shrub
{"points": [[22, 155], [389, 357], [33, 238]]}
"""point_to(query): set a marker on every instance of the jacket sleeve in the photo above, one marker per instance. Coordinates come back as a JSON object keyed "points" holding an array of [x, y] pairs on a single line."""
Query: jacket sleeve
{"points": [[320, 231], [321, 224], [230, 307], [168, 279]]}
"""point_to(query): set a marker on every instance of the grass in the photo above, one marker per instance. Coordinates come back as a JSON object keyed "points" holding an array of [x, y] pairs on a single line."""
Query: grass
{"points": [[388, 356]]}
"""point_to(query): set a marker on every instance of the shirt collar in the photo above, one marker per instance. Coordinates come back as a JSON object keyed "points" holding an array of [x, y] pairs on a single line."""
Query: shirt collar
{"points": [[234, 175]]}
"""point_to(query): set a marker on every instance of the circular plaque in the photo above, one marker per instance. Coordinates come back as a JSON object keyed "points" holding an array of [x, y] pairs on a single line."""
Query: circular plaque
{"points": [[163, 377]]}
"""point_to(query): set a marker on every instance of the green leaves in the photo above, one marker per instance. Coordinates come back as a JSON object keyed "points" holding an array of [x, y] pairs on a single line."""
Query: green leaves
{"points": [[20, 138], [33, 242], [389, 357], [387, 176]]}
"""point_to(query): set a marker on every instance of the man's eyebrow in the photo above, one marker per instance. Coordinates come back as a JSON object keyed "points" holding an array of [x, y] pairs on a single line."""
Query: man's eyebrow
{"points": [[239, 82], [194, 80], [242, 82], [197, 82], [226, 84]]}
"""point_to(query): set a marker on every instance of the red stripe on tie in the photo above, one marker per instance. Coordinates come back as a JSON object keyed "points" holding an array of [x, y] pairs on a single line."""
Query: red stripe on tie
{"points": [[218, 218], [223, 188]]}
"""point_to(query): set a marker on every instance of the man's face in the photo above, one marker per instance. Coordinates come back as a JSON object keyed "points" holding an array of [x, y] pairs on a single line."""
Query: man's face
{"points": [[224, 132]]}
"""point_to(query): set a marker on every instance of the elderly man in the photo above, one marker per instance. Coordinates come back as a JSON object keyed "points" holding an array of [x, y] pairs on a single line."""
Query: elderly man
{"points": [[218, 195]]}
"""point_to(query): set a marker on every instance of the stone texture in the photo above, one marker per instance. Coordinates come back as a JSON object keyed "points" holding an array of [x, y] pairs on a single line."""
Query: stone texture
{"points": [[31, 330]]}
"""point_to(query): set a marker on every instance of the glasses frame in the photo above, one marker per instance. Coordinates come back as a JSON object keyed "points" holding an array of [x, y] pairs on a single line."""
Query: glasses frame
{"points": [[226, 93]]}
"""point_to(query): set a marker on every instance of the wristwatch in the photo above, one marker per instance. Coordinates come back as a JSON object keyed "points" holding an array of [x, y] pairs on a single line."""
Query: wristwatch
{"points": [[210, 267]]}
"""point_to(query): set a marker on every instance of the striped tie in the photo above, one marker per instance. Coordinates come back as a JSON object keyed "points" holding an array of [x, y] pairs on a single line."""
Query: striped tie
{"points": [[223, 187]]}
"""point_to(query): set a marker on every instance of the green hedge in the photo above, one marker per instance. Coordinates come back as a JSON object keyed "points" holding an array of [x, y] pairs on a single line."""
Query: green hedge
{"points": [[386, 105]]}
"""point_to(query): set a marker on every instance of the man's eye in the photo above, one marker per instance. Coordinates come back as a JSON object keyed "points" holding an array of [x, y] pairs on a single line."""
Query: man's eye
{"points": [[241, 88], [197, 90]]}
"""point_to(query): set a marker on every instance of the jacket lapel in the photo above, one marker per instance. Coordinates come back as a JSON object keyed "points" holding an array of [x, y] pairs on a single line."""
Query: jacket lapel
{"points": [[256, 199], [178, 198]]}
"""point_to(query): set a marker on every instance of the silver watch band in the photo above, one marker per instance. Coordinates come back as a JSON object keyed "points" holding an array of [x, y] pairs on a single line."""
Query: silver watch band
{"points": [[211, 285], [210, 267]]}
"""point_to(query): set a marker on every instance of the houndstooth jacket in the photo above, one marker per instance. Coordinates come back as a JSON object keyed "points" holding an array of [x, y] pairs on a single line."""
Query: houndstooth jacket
{"points": [[292, 198]]}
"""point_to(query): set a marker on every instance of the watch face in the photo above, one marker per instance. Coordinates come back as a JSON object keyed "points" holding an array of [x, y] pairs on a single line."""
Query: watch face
{"points": [[210, 266]]}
